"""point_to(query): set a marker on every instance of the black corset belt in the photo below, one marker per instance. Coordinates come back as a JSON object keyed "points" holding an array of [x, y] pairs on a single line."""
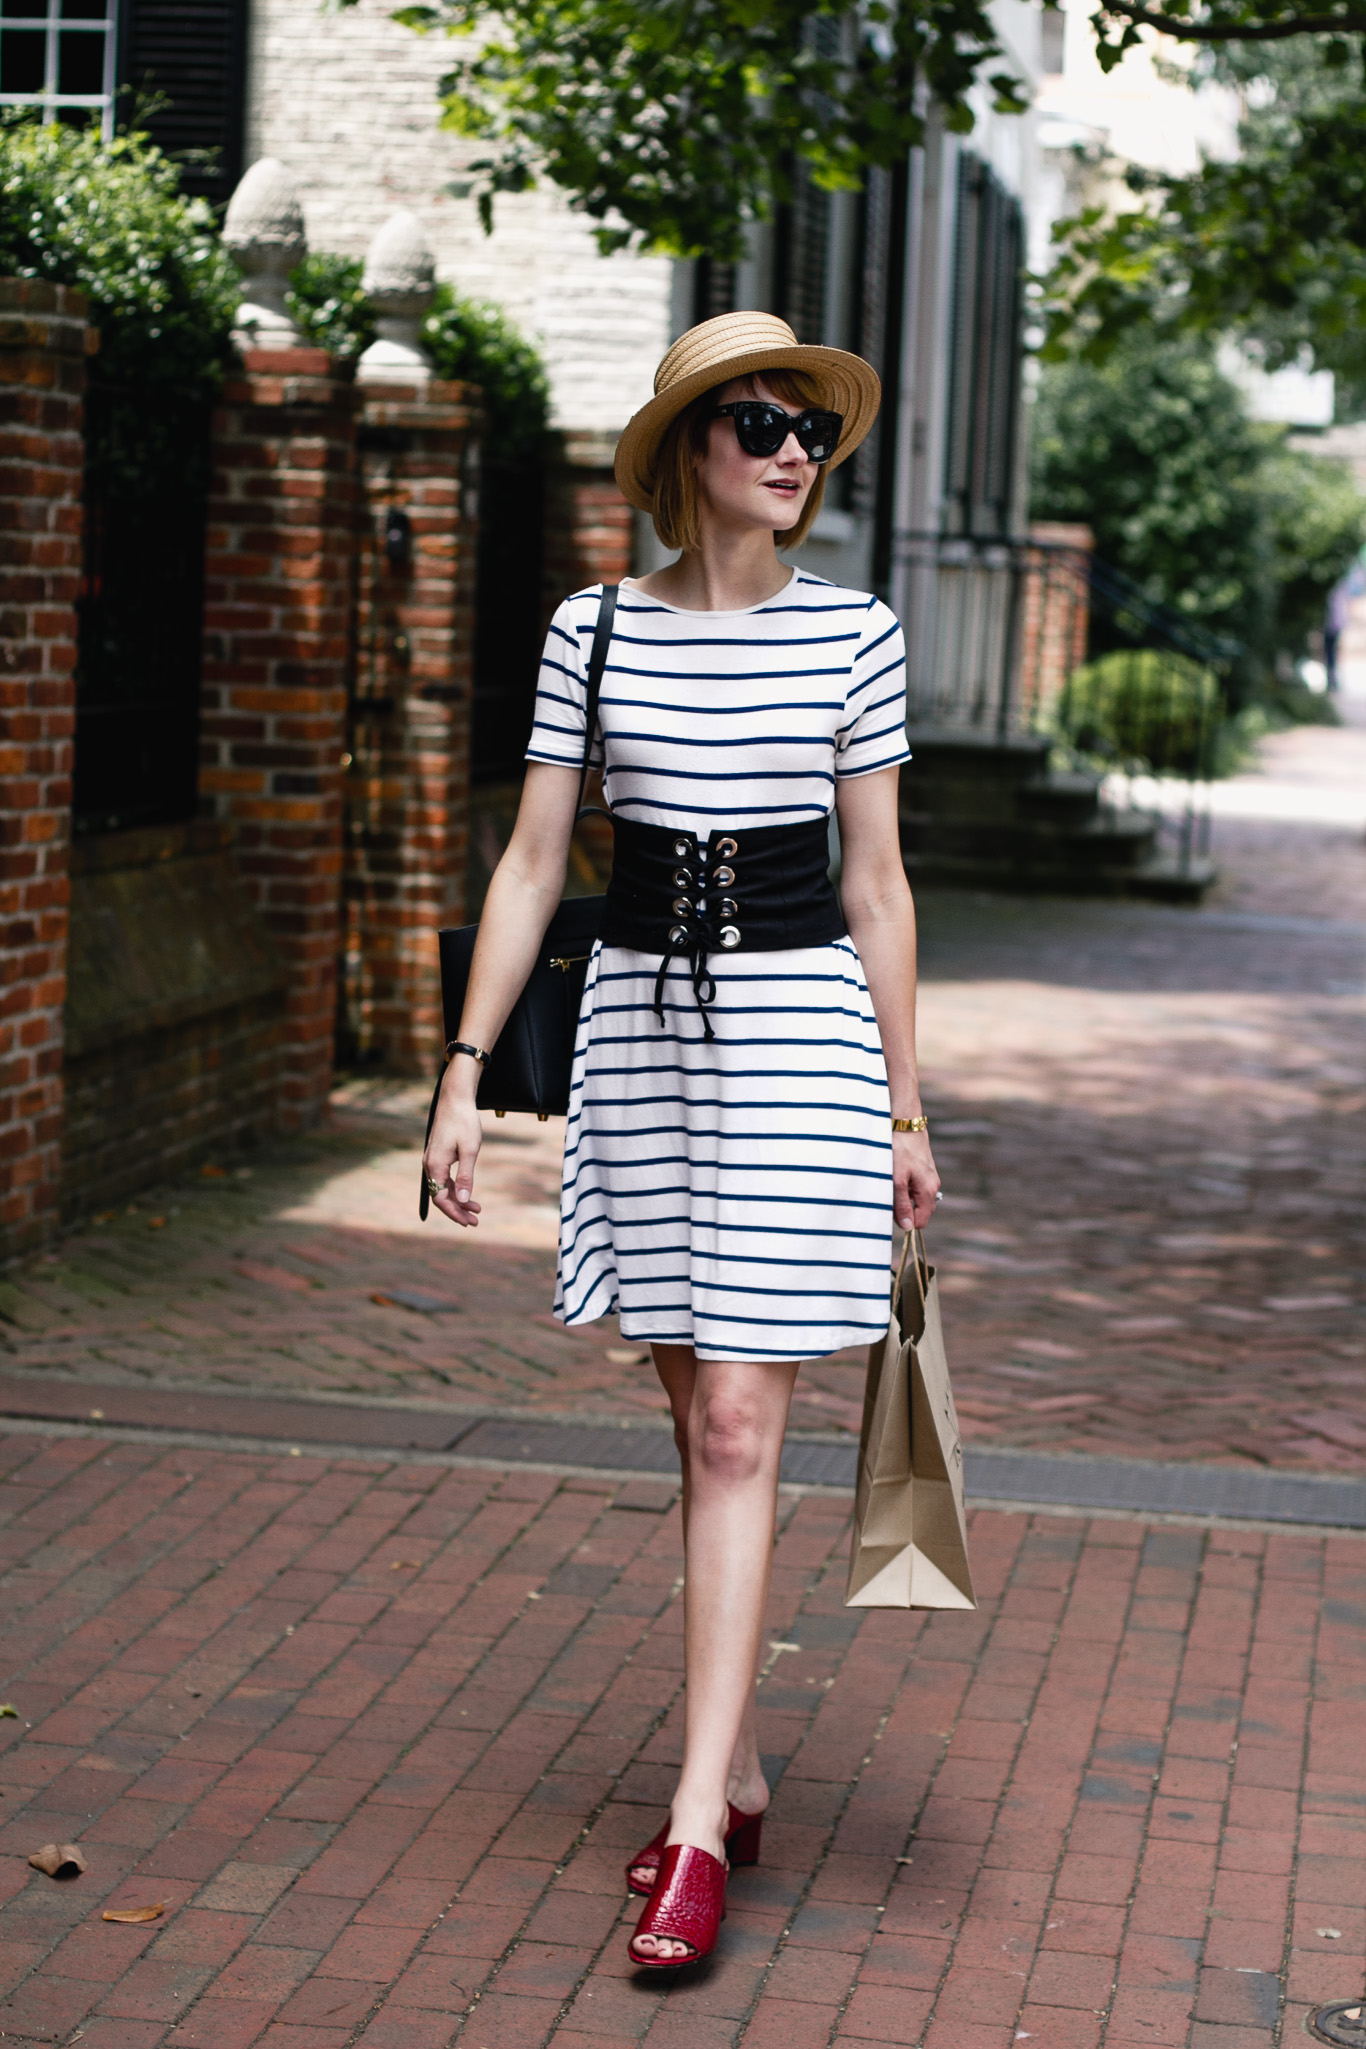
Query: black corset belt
{"points": [[674, 894]]}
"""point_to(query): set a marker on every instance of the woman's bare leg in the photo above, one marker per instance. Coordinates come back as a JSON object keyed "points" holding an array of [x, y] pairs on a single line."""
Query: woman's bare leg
{"points": [[729, 1419]]}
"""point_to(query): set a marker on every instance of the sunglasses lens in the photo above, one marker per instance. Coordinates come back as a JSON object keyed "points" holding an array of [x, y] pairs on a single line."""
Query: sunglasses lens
{"points": [[819, 434], [761, 429]]}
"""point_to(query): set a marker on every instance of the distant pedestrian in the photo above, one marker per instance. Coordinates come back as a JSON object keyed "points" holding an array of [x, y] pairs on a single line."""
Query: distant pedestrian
{"points": [[745, 1113]]}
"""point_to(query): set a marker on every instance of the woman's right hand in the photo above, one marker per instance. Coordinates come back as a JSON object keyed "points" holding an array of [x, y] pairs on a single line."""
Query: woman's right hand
{"points": [[452, 1151]]}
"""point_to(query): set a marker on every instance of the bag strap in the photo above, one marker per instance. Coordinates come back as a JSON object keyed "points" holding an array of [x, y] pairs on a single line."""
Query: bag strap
{"points": [[922, 1267], [597, 662]]}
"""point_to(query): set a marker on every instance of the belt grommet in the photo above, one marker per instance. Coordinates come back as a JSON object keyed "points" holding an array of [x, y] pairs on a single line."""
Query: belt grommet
{"points": [[723, 877], [728, 908], [678, 936], [726, 848], [682, 848], [682, 878], [683, 907], [729, 935]]}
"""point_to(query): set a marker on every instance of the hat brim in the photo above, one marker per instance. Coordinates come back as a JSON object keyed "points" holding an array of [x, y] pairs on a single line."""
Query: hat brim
{"points": [[850, 385]]}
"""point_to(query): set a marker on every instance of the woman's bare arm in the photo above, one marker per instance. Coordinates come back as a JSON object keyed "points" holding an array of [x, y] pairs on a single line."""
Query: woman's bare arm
{"points": [[522, 898], [881, 916]]}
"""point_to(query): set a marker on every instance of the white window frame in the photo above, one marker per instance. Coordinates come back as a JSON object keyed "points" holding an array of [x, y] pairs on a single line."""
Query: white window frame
{"points": [[49, 100]]}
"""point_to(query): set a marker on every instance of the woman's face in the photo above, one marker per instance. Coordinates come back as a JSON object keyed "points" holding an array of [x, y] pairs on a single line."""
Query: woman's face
{"points": [[747, 491]]}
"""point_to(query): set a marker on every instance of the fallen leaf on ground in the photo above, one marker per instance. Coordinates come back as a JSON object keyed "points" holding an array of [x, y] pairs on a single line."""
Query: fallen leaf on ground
{"points": [[58, 1860], [8, 1708], [213, 1173], [156, 1223], [1332, 1934], [151, 1913], [195, 1692], [406, 1565]]}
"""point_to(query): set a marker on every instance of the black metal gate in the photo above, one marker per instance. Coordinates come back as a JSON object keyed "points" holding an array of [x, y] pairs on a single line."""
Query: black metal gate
{"points": [[141, 610]]}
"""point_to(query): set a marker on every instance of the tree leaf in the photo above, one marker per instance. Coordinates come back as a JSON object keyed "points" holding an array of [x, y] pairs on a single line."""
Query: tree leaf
{"points": [[134, 1914], [58, 1860]]}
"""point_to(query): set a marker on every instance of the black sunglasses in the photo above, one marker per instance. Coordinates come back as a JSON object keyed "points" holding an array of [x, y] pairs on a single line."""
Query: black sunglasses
{"points": [[761, 428]]}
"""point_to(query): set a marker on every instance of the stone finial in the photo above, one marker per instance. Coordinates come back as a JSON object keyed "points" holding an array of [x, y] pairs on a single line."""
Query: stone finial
{"points": [[264, 229], [400, 277]]}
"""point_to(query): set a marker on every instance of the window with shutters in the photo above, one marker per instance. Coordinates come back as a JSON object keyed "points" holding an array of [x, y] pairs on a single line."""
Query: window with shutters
{"points": [[60, 57], [184, 64], [985, 360]]}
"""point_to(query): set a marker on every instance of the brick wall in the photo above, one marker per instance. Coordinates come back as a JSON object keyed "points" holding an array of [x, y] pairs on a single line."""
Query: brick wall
{"points": [[589, 527], [174, 1014], [43, 343], [350, 101], [408, 786], [278, 615]]}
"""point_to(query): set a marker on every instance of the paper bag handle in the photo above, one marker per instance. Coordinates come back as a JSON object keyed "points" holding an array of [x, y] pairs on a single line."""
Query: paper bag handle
{"points": [[912, 1237]]}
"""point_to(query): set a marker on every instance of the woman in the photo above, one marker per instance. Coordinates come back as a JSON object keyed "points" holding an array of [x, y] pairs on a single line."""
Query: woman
{"points": [[745, 1115]]}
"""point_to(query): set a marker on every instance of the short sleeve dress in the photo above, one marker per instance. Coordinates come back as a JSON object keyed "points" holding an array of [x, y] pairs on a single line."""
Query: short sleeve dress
{"points": [[733, 1194]]}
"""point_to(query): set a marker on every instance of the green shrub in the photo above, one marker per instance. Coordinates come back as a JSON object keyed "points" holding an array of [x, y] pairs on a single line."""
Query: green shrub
{"points": [[1143, 708], [1207, 510], [110, 218], [482, 345], [329, 305], [465, 340]]}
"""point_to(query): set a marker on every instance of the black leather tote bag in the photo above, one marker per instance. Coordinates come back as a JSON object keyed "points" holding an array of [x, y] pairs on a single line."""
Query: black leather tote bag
{"points": [[529, 1067]]}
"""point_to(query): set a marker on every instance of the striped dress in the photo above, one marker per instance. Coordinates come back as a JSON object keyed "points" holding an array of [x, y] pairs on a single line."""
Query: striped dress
{"points": [[735, 1194]]}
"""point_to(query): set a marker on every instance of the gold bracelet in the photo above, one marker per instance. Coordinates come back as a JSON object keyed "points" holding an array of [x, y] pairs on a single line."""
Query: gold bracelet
{"points": [[910, 1123]]}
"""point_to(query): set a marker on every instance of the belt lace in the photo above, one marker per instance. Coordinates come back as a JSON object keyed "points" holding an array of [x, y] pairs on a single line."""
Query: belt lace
{"points": [[692, 947]]}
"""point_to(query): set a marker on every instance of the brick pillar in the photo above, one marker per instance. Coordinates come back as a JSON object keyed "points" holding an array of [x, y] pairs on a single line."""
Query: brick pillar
{"points": [[407, 818], [43, 344], [277, 619], [589, 527], [1056, 615]]}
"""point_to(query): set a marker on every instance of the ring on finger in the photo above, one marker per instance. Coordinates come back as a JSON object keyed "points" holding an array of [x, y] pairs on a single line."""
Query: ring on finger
{"points": [[436, 1187]]}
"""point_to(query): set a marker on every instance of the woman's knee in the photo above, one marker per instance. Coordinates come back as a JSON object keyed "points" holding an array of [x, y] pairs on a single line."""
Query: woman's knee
{"points": [[728, 1437]]}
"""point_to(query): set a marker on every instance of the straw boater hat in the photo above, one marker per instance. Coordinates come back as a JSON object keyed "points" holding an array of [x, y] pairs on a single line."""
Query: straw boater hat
{"points": [[740, 345]]}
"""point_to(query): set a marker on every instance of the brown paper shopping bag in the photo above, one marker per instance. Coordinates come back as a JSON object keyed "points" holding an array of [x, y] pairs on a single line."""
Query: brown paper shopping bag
{"points": [[910, 1544]]}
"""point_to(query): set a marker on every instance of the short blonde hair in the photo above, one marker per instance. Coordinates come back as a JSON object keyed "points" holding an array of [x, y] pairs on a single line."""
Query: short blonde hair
{"points": [[674, 511]]}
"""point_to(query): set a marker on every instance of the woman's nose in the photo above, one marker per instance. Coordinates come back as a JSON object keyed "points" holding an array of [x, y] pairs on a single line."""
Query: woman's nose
{"points": [[792, 450]]}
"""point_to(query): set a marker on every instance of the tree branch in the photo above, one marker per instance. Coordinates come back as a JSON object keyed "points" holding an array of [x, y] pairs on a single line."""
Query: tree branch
{"points": [[1237, 31]]}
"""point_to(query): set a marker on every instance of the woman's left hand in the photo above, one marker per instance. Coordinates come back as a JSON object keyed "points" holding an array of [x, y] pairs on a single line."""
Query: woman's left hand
{"points": [[915, 1179]]}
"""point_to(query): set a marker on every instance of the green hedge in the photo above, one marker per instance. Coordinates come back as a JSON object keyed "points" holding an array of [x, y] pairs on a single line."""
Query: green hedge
{"points": [[110, 218]]}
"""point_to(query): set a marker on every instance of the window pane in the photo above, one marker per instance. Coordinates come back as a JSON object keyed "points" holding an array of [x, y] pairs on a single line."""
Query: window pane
{"points": [[24, 10], [21, 60], [83, 10], [80, 62]]}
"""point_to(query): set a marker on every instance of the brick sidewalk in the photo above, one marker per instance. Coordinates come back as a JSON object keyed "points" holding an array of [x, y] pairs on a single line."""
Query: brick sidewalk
{"points": [[380, 1736]]}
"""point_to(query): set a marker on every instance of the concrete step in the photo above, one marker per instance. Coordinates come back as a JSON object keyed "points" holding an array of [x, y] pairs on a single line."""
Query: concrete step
{"points": [[1062, 797], [1172, 881]]}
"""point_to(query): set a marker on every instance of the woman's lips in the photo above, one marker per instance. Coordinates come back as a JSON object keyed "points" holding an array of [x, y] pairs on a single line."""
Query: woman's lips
{"points": [[782, 484]]}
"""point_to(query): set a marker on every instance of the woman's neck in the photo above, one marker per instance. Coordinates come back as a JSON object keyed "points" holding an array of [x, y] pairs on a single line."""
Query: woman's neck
{"points": [[727, 573]]}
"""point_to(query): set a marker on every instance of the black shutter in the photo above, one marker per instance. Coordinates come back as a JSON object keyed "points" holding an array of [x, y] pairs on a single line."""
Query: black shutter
{"points": [[985, 353], [191, 54]]}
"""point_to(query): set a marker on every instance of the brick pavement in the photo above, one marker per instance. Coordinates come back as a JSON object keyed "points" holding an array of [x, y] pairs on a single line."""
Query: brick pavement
{"points": [[381, 1735]]}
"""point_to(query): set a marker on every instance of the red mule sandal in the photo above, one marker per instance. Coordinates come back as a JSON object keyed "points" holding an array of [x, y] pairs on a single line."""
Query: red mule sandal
{"points": [[687, 1905], [742, 1847]]}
